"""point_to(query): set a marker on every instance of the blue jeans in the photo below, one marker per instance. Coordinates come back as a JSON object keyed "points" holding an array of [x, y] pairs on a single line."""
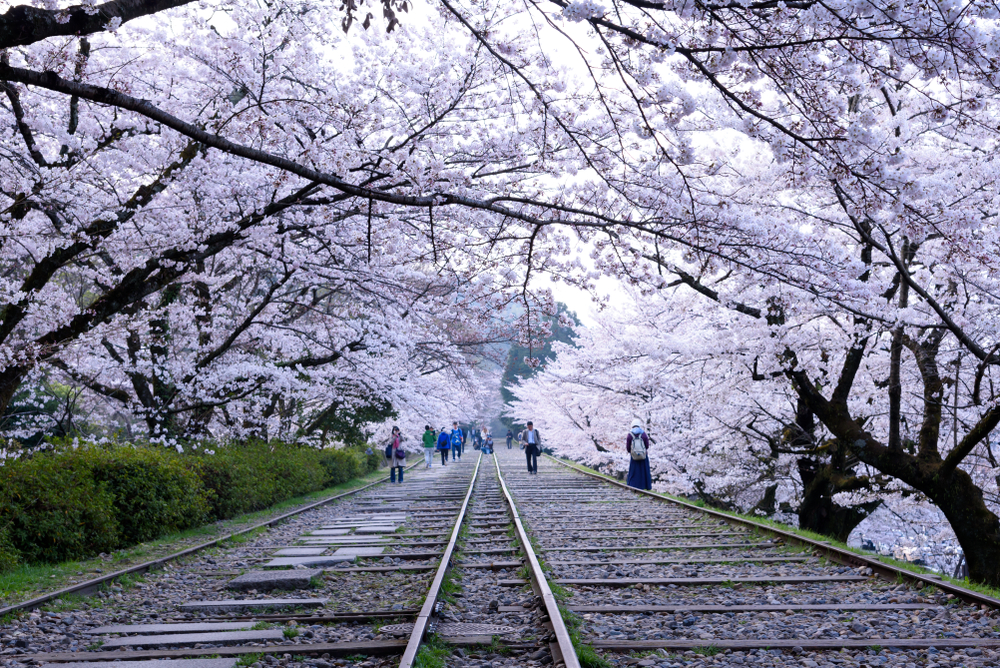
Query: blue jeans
{"points": [[392, 473]]}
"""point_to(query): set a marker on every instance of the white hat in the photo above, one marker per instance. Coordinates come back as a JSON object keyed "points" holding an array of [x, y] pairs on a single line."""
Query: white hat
{"points": [[637, 423]]}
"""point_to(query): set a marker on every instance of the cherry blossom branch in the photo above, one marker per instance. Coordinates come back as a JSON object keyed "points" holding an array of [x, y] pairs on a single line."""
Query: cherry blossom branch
{"points": [[24, 24]]}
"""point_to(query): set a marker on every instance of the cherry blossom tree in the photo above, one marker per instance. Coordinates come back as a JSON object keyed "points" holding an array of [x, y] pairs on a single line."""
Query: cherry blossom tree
{"points": [[823, 171]]}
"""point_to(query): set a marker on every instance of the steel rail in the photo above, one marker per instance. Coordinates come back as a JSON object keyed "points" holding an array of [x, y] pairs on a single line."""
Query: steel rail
{"points": [[423, 619], [831, 552], [92, 585], [564, 642]]}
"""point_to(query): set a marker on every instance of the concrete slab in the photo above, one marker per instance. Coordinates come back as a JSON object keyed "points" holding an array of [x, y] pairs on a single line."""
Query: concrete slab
{"points": [[252, 605], [329, 532], [375, 529], [343, 540], [360, 551], [181, 639], [300, 552], [291, 562], [268, 580], [168, 663], [193, 627]]}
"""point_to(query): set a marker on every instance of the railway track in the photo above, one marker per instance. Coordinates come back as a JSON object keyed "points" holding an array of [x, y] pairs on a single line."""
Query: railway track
{"points": [[387, 576], [645, 581], [468, 565]]}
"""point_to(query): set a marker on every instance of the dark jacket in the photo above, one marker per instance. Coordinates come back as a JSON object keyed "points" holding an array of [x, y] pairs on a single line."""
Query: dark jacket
{"points": [[538, 439]]}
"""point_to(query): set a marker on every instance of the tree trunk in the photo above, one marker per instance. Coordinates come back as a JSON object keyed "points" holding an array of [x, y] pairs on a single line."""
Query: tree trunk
{"points": [[818, 512], [10, 383], [976, 526]]}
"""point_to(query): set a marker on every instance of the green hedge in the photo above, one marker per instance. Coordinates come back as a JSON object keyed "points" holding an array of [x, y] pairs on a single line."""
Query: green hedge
{"points": [[71, 504]]}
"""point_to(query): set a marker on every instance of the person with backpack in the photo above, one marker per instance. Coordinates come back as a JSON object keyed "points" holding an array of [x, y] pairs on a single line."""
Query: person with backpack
{"points": [[637, 446], [457, 438], [510, 438], [531, 442], [396, 455], [429, 443], [444, 445]]}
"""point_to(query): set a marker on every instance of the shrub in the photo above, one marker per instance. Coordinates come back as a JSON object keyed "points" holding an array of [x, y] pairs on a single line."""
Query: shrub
{"points": [[369, 462], [152, 491], [341, 465], [54, 510], [70, 504], [246, 477], [9, 556]]}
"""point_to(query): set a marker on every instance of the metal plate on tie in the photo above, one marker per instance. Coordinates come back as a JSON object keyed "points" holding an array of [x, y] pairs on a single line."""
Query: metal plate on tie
{"points": [[452, 629]]}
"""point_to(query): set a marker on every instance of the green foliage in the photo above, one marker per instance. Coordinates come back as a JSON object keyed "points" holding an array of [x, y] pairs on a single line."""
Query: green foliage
{"points": [[290, 632], [516, 369], [53, 509], [710, 650], [68, 503], [341, 465], [9, 555], [246, 477], [588, 656], [152, 491], [249, 659], [340, 422], [432, 654]]}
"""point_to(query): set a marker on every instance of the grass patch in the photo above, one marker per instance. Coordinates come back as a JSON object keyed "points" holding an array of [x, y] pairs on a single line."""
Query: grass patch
{"points": [[561, 593], [588, 656], [433, 653], [63, 603], [290, 632], [710, 650], [262, 626], [449, 586], [496, 646]]}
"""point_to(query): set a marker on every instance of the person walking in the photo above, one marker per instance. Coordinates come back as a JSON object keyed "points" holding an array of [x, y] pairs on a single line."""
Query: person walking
{"points": [[456, 441], [429, 443], [637, 445], [510, 438], [444, 445], [532, 444], [397, 458]]}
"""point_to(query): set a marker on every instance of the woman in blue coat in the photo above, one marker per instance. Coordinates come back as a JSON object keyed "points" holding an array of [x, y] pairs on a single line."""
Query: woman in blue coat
{"points": [[639, 475]]}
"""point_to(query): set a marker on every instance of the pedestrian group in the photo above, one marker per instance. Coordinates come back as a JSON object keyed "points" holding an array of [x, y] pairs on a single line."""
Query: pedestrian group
{"points": [[453, 441]]}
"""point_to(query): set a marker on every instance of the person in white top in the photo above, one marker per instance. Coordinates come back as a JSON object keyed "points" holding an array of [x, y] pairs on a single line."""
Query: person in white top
{"points": [[532, 446]]}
